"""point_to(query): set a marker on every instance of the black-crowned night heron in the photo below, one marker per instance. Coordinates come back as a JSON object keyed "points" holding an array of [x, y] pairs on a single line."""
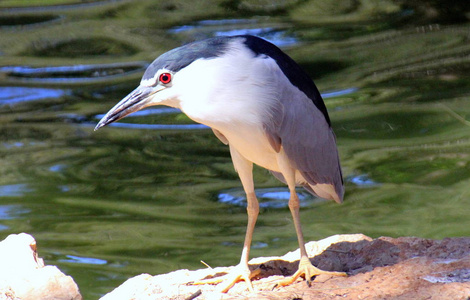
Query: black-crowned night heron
{"points": [[260, 103]]}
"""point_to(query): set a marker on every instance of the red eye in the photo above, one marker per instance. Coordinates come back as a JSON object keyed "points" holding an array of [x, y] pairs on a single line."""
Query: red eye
{"points": [[165, 78]]}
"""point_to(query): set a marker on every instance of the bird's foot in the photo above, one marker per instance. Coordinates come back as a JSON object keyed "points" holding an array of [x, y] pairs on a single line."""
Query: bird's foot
{"points": [[237, 274], [307, 270]]}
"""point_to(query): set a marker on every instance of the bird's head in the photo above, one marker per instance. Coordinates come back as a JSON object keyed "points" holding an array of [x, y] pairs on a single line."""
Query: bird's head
{"points": [[172, 74], [146, 94]]}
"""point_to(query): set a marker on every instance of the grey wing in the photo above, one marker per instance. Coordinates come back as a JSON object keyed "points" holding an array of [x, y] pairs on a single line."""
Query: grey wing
{"points": [[310, 144]]}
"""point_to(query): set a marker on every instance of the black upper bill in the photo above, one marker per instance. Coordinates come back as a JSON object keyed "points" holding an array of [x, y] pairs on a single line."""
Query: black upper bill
{"points": [[135, 101]]}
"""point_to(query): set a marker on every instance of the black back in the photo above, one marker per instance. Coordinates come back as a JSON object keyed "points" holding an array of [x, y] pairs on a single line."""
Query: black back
{"points": [[296, 75]]}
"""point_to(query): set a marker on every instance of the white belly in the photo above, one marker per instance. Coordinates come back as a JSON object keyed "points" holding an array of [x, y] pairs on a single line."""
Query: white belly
{"points": [[252, 143]]}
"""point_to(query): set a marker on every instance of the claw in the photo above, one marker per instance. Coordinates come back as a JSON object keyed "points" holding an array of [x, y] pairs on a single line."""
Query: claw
{"points": [[307, 270], [239, 273]]}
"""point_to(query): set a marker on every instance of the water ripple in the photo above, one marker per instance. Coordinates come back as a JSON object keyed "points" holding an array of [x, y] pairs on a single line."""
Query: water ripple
{"points": [[35, 9], [268, 197], [13, 95], [83, 260], [277, 37], [28, 21], [14, 190], [362, 180], [71, 74], [8, 212], [229, 27], [337, 93]]}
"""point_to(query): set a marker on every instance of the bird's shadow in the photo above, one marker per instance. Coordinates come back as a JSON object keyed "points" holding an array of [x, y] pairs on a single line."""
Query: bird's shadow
{"points": [[350, 257]]}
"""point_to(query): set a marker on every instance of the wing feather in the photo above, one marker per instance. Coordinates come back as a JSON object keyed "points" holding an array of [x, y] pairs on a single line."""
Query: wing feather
{"points": [[309, 142]]}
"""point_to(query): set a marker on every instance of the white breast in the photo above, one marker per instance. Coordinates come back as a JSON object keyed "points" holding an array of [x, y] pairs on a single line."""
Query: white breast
{"points": [[233, 94]]}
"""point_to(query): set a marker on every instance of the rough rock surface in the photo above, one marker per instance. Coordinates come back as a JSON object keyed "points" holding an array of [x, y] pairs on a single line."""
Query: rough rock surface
{"points": [[383, 268], [24, 276]]}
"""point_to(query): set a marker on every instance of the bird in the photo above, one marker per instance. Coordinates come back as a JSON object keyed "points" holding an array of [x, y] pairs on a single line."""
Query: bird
{"points": [[266, 108]]}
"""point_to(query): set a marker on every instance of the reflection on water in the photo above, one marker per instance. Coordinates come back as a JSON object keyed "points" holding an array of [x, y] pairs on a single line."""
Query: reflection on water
{"points": [[216, 24], [11, 22], [9, 6], [11, 211], [278, 38], [255, 245], [122, 201], [83, 260], [71, 74], [14, 190], [57, 168], [338, 93], [362, 180], [268, 197], [13, 95], [228, 27]]}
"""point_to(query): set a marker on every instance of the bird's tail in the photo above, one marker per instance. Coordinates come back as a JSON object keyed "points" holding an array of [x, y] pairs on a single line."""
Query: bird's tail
{"points": [[322, 190]]}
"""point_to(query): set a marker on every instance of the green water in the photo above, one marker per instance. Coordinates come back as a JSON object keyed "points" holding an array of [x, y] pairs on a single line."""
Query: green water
{"points": [[108, 205]]}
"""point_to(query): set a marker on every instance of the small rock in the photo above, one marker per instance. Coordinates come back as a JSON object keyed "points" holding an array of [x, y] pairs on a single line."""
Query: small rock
{"points": [[24, 276]]}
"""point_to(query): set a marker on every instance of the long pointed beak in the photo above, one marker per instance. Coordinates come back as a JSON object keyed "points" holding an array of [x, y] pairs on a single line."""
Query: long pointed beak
{"points": [[136, 100]]}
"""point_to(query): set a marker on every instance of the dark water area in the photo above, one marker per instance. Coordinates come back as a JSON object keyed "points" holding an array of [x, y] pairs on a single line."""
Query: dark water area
{"points": [[156, 192]]}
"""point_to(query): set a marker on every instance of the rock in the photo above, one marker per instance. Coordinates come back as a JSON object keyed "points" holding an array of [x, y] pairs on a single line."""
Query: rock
{"points": [[382, 268], [24, 276]]}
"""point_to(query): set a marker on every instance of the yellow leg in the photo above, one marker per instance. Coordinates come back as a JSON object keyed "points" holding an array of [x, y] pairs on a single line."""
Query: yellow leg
{"points": [[306, 268], [241, 271]]}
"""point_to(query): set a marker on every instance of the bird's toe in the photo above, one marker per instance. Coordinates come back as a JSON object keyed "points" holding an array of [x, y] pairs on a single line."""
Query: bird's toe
{"points": [[308, 271], [239, 273]]}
